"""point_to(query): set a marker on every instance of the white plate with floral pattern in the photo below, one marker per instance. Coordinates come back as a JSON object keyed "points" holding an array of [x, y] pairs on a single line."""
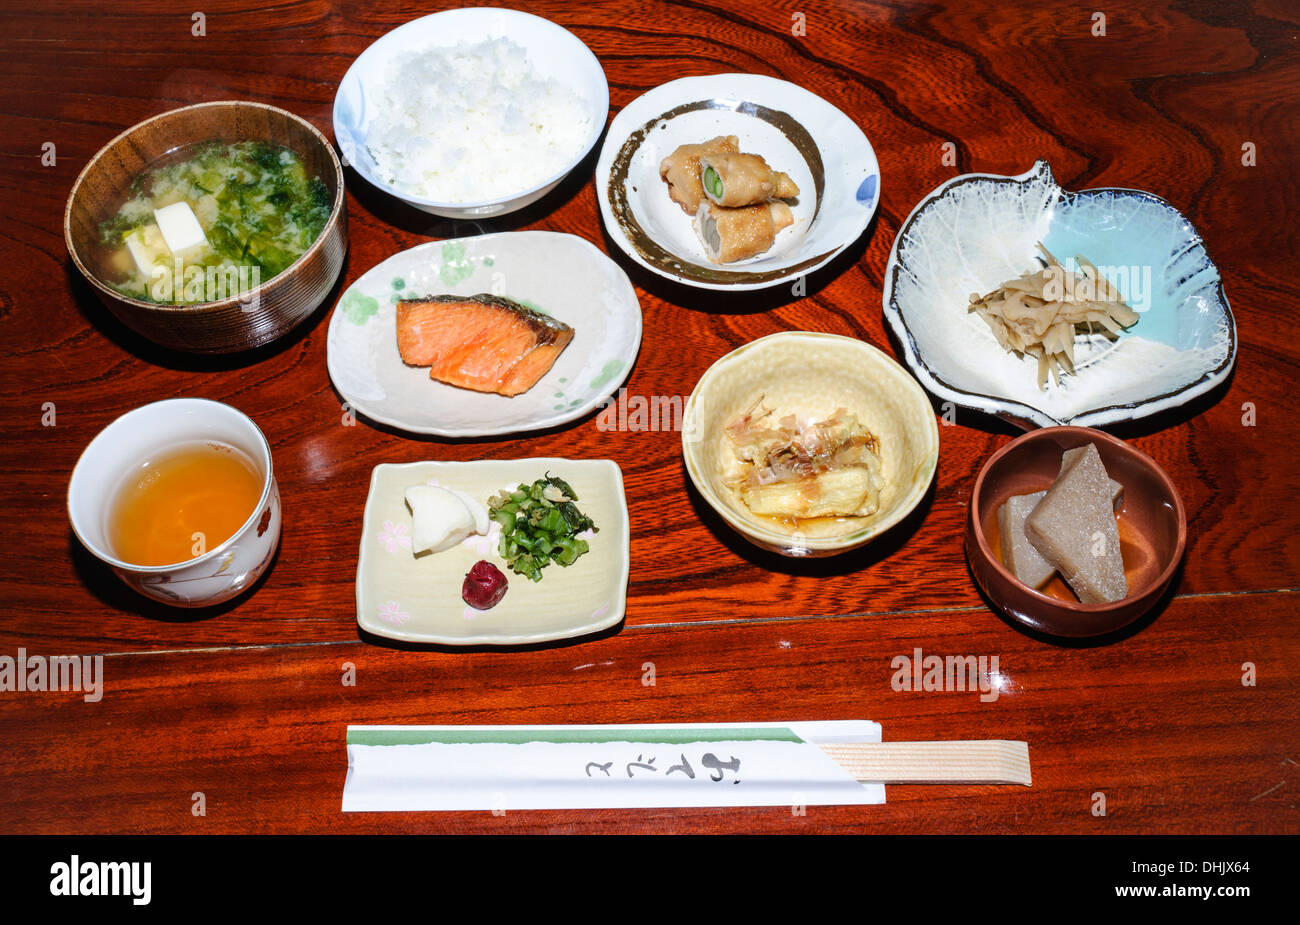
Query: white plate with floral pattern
{"points": [[560, 275], [418, 600]]}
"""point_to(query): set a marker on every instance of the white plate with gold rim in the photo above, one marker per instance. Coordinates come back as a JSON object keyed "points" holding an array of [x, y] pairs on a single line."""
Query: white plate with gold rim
{"points": [[796, 131]]}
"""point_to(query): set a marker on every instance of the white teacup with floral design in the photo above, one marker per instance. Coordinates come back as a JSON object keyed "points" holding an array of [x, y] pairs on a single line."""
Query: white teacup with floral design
{"points": [[219, 573]]}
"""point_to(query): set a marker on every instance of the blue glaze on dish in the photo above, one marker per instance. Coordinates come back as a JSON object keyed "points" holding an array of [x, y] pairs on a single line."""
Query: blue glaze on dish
{"points": [[1129, 233], [867, 190]]}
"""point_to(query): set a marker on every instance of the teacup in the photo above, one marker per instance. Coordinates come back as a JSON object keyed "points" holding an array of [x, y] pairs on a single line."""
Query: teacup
{"points": [[219, 573]]}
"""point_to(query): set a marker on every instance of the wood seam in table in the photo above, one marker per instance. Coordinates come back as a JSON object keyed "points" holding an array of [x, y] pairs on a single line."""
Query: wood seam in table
{"points": [[684, 625]]}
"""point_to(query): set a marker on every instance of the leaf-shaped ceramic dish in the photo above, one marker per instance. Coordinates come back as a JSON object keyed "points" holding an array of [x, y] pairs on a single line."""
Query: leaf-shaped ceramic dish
{"points": [[561, 275], [418, 600], [977, 231], [794, 130]]}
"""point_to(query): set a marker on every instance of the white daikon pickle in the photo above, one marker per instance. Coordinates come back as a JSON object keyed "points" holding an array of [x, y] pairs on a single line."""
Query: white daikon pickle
{"points": [[442, 518]]}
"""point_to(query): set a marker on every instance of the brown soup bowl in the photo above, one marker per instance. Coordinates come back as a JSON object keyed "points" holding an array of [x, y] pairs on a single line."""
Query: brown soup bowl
{"points": [[242, 321], [1153, 532]]}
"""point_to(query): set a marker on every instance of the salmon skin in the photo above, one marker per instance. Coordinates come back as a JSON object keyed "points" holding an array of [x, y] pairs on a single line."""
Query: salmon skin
{"points": [[480, 342]]}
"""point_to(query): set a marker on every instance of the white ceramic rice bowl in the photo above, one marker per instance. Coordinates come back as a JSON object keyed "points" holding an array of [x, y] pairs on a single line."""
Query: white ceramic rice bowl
{"points": [[554, 53]]}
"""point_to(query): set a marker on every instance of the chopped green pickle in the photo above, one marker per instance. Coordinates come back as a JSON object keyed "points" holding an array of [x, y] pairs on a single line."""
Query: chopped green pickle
{"points": [[540, 524]]}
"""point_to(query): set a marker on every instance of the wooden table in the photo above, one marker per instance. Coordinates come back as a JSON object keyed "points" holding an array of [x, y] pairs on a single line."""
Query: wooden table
{"points": [[246, 704]]}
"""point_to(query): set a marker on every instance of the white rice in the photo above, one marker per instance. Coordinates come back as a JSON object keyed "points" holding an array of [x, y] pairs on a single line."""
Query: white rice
{"points": [[472, 122]]}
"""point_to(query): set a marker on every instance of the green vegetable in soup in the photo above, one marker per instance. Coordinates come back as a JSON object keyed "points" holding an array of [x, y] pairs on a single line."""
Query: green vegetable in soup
{"points": [[258, 209]]}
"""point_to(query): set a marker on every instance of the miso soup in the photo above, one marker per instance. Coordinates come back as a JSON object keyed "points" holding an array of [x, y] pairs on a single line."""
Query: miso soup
{"points": [[211, 221]]}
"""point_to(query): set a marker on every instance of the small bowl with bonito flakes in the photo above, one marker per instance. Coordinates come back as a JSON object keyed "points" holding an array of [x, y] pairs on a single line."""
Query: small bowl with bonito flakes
{"points": [[809, 444]]}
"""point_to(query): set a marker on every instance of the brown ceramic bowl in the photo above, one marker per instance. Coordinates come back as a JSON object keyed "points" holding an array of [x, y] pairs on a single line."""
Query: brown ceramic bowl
{"points": [[1153, 531], [239, 322]]}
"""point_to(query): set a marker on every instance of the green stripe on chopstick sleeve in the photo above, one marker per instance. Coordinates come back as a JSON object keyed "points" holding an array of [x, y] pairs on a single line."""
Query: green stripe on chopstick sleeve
{"points": [[509, 736]]}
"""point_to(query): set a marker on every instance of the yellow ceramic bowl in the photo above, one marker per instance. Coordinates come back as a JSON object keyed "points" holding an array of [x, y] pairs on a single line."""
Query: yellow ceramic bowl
{"points": [[813, 375]]}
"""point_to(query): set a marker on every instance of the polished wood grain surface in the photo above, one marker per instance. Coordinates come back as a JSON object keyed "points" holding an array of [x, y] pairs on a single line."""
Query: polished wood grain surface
{"points": [[245, 703]]}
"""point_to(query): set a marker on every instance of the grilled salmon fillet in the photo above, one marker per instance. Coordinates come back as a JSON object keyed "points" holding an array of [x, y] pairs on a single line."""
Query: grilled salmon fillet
{"points": [[481, 342]]}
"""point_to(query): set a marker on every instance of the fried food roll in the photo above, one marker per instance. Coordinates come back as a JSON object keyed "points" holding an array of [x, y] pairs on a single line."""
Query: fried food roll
{"points": [[729, 235], [681, 170], [735, 180]]}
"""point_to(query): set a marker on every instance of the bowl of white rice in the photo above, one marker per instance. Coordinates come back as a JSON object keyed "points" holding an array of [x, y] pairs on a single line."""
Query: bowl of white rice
{"points": [[471, 113]]}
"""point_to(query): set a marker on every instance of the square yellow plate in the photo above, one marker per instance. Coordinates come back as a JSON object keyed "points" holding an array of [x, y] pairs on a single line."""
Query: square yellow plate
{"points": [[418, 600]]}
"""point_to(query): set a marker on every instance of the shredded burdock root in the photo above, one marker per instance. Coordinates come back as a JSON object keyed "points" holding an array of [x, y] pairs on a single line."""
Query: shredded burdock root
{"points": [[799, 469], [1040, 313]]}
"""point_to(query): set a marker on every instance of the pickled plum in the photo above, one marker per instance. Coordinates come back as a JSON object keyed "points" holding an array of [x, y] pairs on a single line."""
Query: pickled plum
{"points": [[484, 586]]}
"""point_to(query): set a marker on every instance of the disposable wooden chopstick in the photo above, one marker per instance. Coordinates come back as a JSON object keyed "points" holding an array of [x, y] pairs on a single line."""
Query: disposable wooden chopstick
{"points": [[991, 761]]}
